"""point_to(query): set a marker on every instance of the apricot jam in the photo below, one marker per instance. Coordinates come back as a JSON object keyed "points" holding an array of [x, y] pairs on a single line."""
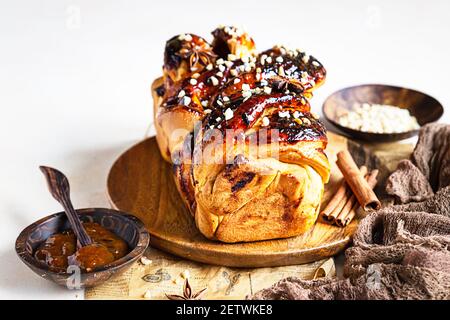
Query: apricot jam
{"points": [[60, 249]]}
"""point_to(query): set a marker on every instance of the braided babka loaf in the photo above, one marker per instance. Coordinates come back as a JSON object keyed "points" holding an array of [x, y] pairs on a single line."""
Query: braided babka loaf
{"points": [[248, 153]]}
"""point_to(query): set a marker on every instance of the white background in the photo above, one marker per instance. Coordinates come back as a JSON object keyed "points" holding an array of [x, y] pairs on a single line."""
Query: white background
{"points": [[75, 77]]}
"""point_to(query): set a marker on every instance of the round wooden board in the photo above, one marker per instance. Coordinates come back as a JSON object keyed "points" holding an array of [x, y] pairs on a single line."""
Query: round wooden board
{"points": [[140, 182]]}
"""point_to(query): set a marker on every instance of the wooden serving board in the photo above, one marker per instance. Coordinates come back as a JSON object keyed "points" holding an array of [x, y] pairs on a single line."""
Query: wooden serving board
{"points": [[140, 182]]}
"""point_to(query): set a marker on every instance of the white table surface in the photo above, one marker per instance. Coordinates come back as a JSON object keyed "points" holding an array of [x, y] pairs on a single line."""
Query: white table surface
{"points": [[75, 77]]}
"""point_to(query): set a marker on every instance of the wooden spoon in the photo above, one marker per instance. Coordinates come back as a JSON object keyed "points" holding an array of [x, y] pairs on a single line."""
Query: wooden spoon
{"points": [[60, 190]]}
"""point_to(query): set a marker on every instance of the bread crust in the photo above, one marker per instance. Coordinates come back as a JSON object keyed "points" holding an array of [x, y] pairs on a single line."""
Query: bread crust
{"points": [[235, 190]]}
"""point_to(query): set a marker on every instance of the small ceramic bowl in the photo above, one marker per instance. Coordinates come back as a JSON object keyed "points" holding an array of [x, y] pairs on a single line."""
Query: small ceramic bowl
{"points": [[425, 108], [126, 226]]}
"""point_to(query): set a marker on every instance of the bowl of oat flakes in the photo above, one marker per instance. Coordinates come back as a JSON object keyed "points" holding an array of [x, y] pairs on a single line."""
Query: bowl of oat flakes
{"points": [[380, 113]]}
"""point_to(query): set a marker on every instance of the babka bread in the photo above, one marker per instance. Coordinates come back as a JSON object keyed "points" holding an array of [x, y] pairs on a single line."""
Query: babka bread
{"points": [[248, 153]]}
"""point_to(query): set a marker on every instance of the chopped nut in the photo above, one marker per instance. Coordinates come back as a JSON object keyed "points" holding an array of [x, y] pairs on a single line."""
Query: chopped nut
{"points": [[246, 94], [263, 59], [265, 122], [214, 81], [231, 57], [185, 36], [209, 67], [193, 81], [146, 261], [181, 94], [236, 81], [185, 274], [284, 114], [305, 58], [279, 59], [228, 114], [186, 100], [378, 118], [267, 90], [147, 294], [207, 111]]}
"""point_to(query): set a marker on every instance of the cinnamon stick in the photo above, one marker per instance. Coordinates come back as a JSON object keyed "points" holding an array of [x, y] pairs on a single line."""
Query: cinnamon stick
{"points": [[333, 209], [349, 211], [335, 212], [345, 211], [334, 201], [362, 190]]}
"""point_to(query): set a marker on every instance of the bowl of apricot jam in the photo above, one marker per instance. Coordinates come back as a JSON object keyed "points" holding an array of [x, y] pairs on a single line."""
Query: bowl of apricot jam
{"points": [[49, 247]]}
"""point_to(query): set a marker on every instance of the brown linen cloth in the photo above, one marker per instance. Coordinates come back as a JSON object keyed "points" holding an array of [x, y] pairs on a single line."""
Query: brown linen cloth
{"points": [[429, 167], [402, 251]]}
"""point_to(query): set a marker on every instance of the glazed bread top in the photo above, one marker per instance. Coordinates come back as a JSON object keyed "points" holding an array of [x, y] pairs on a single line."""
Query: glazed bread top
{"points": [[207, 79]]}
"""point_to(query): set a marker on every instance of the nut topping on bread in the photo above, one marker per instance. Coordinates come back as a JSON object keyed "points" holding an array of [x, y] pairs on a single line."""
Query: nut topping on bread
{"points": [[248, 153]]}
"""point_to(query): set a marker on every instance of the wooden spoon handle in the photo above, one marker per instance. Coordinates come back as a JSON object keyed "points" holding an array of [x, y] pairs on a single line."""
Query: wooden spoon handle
{"points": [[58, 184]]}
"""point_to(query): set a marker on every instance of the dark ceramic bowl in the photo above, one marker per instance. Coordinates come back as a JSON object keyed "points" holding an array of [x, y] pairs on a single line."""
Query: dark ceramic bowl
{"points": [[128, 227], [425, 108]]}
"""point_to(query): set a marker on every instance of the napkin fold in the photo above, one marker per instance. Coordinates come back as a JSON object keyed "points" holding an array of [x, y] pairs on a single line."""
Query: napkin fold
{"points": [[428, 169]]}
